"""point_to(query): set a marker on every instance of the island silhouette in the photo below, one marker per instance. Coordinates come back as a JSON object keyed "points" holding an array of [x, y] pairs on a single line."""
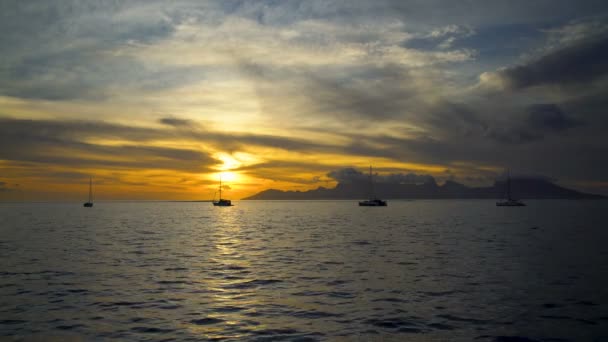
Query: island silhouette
{"points": [[530, 188]]}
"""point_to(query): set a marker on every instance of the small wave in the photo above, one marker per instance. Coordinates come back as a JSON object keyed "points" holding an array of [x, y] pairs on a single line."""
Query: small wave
{"points": [[438, 293], [151, 330], [78, 291], [173, 282], [69, 327], [206, 321], [440, 326], [333, 263], [586, 303], [253, 283], [140, 319], [12, 321], [555, 317], [337, 282], [274, 332], [145, 232], [514, 339], [234, 267], [119, 303], [390, 300], [229, 308], [314, 314], [170, 307], [462, 319], [309, 293], [232, 277], [337, 294], [361, 242], [392, 323]]}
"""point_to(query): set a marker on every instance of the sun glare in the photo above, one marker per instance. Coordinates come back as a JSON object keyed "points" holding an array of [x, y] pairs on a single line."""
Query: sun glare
{"points": [[228, 176], [229, 161]]}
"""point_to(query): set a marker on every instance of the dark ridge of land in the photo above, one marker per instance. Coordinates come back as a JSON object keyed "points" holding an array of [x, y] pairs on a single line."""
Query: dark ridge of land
{"points": [[520, 188]]}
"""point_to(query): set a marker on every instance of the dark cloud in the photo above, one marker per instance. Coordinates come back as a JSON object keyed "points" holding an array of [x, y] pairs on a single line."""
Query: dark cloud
{"points": [[287, 171], [348, 175], [361, 92], [64, 143], [429, 13], [550, 117], [583, 61], [175, 122], [351, 175], [87, 74], [538, 121], [4, 187], [455, 119], [514, 135]]}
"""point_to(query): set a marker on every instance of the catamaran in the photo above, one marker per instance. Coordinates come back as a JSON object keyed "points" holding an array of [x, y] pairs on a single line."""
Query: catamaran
{"points": [[89, 203], [509, 201], [222, 202], [373, 201]]}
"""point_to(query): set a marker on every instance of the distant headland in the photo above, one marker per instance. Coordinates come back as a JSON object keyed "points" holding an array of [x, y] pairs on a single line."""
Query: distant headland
{"points": [[528, 188]]}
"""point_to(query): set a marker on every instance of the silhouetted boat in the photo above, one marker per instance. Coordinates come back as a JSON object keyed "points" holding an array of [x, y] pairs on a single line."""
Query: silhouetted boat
{"points": [[373, 201], [222, 202], [509, 201], [89, 203]]}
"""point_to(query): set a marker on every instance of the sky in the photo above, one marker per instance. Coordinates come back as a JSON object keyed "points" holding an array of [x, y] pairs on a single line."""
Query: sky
{"points": [[156, 100]]}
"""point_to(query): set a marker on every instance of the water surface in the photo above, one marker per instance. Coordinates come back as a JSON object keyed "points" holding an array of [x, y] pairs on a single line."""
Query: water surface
{"points": [[457, 270]]}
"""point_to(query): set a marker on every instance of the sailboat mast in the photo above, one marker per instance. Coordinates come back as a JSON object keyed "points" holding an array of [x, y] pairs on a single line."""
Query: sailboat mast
{"points": [[508, 184], [90, 189], [220, 186], [371, 183]]}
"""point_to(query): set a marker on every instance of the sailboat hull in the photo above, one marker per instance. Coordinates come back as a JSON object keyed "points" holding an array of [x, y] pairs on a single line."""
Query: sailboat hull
{"points": [[88, 205], [510, 204], [223, 203], [373, 203]]}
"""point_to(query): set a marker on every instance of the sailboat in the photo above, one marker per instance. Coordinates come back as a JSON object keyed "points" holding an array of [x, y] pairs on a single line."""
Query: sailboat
{"points": [[222, 202], [373, 201], [509, 201], [89, 203]]}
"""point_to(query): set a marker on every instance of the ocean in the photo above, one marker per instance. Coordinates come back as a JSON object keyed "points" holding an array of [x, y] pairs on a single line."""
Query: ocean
{"points": [[424, 270]]}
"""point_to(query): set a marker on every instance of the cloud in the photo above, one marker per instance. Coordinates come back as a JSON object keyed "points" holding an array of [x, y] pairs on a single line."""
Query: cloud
{"points": [[68, 50], [550, 117], [351, 175], [175, 122], [65, 143], [4, 187], [584, 60], [348, 175]]}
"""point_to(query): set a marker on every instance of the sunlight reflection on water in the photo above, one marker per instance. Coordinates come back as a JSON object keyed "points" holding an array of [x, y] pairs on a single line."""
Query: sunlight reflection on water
{"points": [[416, 270]]}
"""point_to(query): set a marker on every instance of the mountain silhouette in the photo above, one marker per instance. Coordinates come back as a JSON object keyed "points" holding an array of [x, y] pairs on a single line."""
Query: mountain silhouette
{"points": [[520, 188]]}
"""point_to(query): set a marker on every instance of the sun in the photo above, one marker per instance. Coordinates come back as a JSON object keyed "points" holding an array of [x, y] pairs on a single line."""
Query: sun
{"points": [[228, 176]]}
